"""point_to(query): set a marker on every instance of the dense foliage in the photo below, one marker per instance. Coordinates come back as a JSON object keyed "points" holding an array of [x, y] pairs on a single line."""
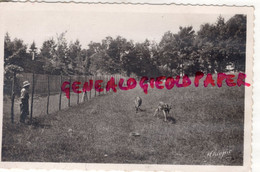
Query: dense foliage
{"points": [[218, 47]]}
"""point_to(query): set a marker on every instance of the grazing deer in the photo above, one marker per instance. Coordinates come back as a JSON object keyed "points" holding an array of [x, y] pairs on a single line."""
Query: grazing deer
{"points": [[138, 103], [165, 108]]}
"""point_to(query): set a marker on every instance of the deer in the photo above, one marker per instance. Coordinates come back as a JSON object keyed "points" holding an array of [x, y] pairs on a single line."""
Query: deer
{"points": [[165, 108], [138, 103]]}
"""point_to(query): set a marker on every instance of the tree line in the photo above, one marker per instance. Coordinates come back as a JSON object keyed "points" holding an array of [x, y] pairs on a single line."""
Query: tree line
{"points": [[218, 47]]}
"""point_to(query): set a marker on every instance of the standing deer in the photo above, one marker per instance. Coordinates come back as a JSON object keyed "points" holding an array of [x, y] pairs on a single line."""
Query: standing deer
{"points": [[138, 103], [165, 108]]}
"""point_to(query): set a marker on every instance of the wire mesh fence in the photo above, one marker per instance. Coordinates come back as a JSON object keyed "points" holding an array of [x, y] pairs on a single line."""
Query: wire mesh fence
{"points": [[46, 94]]}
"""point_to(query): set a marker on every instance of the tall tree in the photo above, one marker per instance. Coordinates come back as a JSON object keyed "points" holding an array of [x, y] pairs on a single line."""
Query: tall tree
{"points": [[185, 46], [236, 41], [35, 64], [168, 52], [76, 65], [47, 55], [15, 55]]}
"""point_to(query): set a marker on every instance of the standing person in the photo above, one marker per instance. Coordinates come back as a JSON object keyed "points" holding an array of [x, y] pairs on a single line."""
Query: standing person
{"points": [[24, 101]]}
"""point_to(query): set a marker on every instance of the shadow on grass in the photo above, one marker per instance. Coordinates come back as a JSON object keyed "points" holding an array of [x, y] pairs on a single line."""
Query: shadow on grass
{"points": [[38, 123], [171, 120], [168, 119], [141, 110]]}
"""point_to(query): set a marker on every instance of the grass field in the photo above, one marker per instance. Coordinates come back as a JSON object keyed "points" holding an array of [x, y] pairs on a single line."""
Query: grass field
{"points": [[202, 120]]}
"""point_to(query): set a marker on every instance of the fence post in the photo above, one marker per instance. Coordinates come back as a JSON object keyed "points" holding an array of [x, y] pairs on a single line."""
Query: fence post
{"points": [[109, 78], [60, 92], [12, 107], [78, 93], [107, 81], [99, 78], [105, 90], [90, 90], [69, 93], [94, 87], [103, 85], [48, 97], [32, 98], [116, 79], [85, 93]]}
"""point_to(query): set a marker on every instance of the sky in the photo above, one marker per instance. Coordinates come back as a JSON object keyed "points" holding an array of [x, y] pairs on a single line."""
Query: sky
{"points": [[94, 26]]}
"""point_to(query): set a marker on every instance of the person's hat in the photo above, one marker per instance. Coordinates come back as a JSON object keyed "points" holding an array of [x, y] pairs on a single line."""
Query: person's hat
{"points": [[26, 83]]}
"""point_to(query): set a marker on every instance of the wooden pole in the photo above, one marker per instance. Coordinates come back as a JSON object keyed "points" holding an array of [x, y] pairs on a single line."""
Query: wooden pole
{"points": [[86, 93], [109, 80], [69, 94], [105, 84], [101, 86], [48, 97], [90, 89], [12, 98], [60, 92], [94, 87], [116, 79], [32, 98], [78, 95]]}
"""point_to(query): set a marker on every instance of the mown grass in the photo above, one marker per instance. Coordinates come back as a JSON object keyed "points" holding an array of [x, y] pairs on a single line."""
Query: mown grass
{"points": [[202, 120]]}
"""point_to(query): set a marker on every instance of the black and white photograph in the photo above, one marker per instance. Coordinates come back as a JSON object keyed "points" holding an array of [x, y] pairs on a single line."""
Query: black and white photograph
{"points": [[124, 84]]}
